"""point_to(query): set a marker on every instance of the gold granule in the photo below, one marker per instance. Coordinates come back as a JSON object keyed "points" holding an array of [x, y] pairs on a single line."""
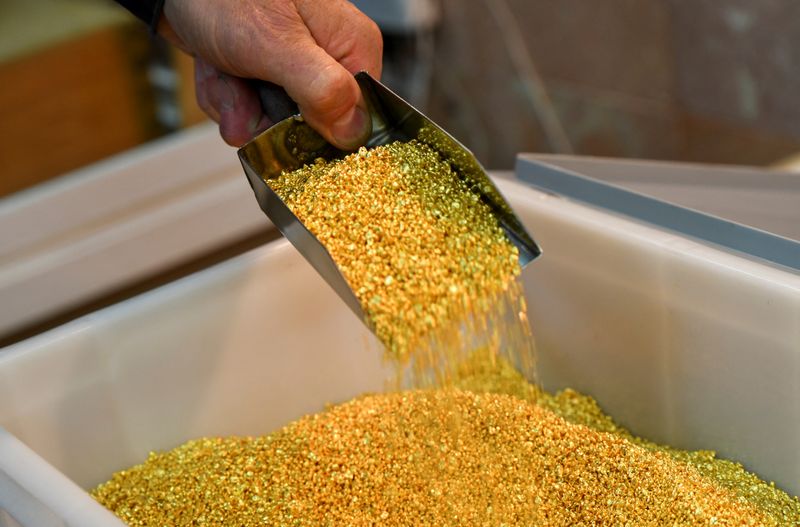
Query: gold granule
{"points": [[428, 457], [418, 247], [483, 374]]}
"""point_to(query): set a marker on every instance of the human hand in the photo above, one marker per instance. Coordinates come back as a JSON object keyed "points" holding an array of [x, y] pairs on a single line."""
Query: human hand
{"points": [[311, 48]]}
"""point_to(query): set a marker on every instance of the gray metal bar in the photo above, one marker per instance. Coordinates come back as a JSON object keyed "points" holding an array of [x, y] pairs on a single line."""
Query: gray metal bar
{"points": [[746, 239]]}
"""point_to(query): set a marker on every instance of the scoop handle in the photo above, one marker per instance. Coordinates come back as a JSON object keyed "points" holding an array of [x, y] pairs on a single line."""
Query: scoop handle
{"points": [[275, 102]]}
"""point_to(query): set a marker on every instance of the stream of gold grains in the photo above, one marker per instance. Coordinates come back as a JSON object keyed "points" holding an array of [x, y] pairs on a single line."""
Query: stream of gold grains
{"points": [[428, 261], [479, 454]]}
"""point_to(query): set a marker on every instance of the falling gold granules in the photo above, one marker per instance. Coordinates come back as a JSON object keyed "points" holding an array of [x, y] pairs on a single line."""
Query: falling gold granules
{"points": [[429, 457], [418, 247]]}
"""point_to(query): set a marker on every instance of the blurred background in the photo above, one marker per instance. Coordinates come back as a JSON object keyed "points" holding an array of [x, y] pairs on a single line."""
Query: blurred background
{"points": [[696, 80]]}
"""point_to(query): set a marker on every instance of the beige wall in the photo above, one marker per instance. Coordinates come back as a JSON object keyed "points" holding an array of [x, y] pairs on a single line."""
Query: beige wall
{"points": [[704, 80]]}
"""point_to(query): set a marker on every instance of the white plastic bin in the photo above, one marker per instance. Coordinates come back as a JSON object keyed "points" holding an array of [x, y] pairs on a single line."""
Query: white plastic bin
{"points": [[680, 342]]}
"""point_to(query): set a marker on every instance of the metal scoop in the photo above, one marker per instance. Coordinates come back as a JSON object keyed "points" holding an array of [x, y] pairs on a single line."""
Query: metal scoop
{"points": [[292, 143]]}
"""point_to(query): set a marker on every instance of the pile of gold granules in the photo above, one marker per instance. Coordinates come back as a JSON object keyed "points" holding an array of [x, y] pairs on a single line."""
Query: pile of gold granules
{"points": [[480, 454], [423, 254]]}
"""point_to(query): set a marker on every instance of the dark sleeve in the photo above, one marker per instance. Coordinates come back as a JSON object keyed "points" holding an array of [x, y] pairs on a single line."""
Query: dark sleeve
{"points": [[148, 11]]}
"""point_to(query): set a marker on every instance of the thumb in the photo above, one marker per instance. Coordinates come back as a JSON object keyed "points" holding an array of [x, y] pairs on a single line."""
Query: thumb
{"points": [[329, 97], [332, 41]]}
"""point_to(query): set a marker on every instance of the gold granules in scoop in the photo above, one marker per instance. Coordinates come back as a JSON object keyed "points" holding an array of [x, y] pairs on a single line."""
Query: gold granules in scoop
{"points": [[419, 249], [430, 457]]}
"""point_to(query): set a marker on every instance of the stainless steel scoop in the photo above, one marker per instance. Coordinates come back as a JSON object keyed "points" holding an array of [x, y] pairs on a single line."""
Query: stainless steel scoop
{"points": [[292, 143]]}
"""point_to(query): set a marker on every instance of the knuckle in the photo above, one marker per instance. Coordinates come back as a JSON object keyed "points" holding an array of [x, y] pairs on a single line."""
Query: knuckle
{"points": [[373, 34], [331, 93]]}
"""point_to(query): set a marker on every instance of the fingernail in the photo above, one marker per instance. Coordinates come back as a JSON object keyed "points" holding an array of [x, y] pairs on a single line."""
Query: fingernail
{"points": [[227, 95], [352, 130], [258, 123], [253, 122]]}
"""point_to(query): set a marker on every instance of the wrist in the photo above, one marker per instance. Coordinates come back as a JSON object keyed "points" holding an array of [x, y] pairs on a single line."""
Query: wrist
{"points": [[157, 15], [163, 28], [148, 11]]}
